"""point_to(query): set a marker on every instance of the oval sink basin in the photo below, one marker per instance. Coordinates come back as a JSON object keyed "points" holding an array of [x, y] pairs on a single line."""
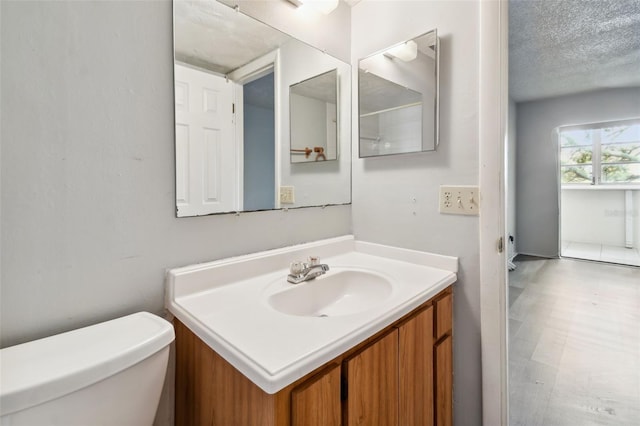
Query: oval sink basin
{"points": [[334, 294]]}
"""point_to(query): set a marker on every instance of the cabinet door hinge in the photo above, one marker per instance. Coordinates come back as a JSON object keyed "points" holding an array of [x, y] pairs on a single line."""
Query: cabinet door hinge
{"points": [[344, 388], [500, 244]]}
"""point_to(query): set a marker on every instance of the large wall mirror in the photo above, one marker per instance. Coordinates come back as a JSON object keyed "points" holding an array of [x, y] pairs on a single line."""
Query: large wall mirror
{"points": [[398, 98], [245, 96]]}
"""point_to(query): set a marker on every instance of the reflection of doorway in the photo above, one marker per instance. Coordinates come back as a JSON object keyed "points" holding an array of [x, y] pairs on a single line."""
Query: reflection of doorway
{"points": [[259, 143], [600, 178], [225, 139]]}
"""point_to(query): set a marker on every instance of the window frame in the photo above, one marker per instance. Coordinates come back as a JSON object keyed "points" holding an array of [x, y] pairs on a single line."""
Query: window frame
{"points": [[596, 154]]}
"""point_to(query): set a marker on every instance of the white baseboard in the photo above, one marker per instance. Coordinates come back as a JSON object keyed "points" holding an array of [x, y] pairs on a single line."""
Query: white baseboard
{"points": [[544, 256]]}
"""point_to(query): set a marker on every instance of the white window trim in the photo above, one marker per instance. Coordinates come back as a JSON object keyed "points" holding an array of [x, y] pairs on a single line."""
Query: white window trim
{"points": [[596, 161]]}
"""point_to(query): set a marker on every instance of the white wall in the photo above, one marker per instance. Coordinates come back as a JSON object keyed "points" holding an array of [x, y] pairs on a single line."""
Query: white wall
{"points": [[395, 199], [397, 131], [537, 152], [308, 125], [88, 208], [593, 216]]}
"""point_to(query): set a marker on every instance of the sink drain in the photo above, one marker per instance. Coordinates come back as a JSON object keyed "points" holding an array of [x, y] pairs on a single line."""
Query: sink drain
{"points": [[323, 316]]}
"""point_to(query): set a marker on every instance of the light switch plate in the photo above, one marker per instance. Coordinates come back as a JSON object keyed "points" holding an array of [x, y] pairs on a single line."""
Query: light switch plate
{"points": [[287, 195], [459, 199]]}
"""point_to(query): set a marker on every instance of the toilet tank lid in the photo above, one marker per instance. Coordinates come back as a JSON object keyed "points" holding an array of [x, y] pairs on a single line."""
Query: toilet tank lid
{"points": [[39, 371]]}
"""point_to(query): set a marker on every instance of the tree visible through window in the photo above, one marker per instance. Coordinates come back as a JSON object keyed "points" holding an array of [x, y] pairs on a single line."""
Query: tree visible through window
{"points": [[604, 153]]}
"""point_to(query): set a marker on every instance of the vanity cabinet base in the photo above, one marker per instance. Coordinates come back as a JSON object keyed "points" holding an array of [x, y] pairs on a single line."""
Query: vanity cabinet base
{"points": [[210, 391], [400, 376]]}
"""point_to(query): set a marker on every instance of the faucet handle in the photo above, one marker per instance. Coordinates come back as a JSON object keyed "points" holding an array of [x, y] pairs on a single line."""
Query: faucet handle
{"points": [[314, 260], [296, 267]]}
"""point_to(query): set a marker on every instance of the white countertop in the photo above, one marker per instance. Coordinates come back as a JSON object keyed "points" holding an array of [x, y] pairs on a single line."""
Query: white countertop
{"points": [[225, 304]]}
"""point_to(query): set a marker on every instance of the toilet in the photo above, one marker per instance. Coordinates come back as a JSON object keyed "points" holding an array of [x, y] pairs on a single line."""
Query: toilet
{"points": [[110, 373]]}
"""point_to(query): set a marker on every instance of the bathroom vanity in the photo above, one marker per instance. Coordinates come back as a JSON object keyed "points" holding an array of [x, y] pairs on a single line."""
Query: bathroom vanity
{"points": [[369, 342]]}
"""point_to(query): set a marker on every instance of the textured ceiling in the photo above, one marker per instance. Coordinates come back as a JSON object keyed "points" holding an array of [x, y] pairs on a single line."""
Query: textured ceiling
{"points": [[561, 47], [214, 36], [322, 87]]}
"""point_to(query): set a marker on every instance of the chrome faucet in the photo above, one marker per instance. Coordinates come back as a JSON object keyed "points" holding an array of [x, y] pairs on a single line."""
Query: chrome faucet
{"points": [[305, 271]]}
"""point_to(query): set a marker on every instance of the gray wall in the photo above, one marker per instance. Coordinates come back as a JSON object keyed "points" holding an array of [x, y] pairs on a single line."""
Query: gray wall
{"points": [[88, 207], [537, 158], [395, 199]]}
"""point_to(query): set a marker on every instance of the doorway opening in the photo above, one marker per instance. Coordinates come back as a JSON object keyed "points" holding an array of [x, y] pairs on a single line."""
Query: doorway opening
{"points": [[259, 143], [600, 191]]}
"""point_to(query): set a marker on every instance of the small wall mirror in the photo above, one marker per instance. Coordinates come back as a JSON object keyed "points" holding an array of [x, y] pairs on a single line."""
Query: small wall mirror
{"points": [[234, 80], [398, 98], [314, 118]]}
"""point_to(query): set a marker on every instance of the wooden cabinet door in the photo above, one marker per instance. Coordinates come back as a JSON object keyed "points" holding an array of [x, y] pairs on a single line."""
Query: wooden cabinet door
{"points": [[444, 382], [444, 315], [372, 381], [416, 370], [317, 401]]}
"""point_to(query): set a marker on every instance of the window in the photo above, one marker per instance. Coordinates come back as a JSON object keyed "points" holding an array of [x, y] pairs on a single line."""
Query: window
{"points": [[600, 154]]}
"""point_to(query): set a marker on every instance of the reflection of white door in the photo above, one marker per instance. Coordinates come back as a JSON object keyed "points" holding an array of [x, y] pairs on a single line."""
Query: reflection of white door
{"points": [[206, 179]]}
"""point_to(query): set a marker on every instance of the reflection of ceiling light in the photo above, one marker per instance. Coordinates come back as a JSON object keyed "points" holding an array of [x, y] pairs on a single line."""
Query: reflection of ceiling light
{"points": [[406, 51], [323, 6]]}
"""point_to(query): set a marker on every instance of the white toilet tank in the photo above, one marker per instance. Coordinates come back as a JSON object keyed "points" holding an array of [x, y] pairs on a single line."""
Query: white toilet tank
{"points": [[110, 373]]}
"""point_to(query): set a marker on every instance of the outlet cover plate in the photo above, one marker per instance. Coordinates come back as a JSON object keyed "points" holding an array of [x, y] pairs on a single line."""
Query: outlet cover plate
{"points": [[459, 199], [287, 195]]}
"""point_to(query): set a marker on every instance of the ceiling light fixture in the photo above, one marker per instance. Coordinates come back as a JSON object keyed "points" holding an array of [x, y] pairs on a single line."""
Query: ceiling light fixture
{"points": [[322, 6], [406, 51]]}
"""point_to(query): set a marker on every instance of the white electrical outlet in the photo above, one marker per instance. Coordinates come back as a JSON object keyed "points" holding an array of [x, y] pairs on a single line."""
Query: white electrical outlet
{"points": [[459, 199], [287, 195]]}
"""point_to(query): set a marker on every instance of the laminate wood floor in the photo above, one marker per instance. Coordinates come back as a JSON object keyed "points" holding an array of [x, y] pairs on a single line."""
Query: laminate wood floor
{"points": [[574, 343]]}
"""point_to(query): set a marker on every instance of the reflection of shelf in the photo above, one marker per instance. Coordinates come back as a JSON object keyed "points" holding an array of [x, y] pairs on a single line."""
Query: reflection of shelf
{"points": [[390, 109], [307, 152]]}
